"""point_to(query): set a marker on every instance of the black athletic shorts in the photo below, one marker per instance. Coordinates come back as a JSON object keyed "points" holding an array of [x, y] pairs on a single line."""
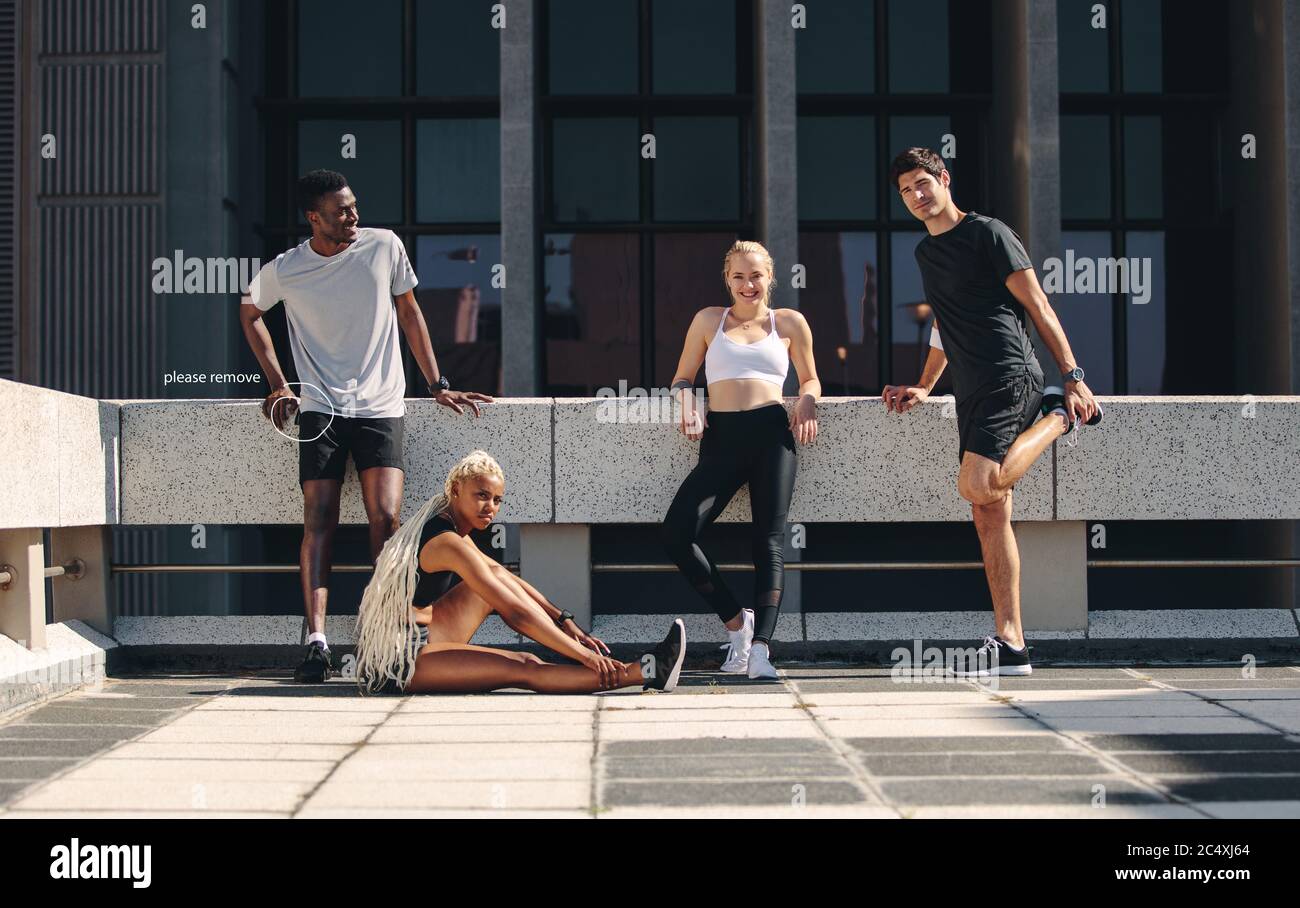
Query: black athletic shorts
{"points": [[323, 451], [990, 420]]}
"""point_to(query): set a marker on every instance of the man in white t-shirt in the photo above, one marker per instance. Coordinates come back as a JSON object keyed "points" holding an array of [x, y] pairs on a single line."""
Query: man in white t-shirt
{"points": [[346, 292]]}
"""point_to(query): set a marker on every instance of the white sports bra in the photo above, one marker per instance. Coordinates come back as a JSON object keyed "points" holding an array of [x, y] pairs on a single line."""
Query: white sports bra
{"points": [[767, 359]]}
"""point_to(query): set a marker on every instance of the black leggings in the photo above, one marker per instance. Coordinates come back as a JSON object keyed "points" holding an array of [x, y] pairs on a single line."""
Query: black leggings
{"points": [[750, 446]]}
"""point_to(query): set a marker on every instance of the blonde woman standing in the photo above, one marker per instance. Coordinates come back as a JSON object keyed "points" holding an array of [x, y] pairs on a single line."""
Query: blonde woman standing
{"points": [[413, 586], [745, 436]]}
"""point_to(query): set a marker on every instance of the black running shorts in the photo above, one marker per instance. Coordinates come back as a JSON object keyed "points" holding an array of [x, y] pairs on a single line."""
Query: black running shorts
{"points": [[989, 421], [324, 444]]}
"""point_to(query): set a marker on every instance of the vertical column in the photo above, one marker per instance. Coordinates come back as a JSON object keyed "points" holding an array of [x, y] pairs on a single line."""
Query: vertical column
{"points": [[1053, 575], [1291, 106], [556, 558], [1025, 141], [88, 597], [777, 206], [22, 605], [520, 334]]}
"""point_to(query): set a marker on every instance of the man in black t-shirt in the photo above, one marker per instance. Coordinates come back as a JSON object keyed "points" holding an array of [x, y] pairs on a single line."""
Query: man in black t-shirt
{"points": [[981, 285]]}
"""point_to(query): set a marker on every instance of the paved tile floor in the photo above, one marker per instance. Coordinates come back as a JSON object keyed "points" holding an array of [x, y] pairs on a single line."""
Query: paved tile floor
{"points": [[825, 741]]}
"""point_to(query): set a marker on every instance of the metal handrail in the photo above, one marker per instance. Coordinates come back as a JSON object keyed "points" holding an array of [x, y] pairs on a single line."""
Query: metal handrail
{"points": [[73, 570], [810, 566]]}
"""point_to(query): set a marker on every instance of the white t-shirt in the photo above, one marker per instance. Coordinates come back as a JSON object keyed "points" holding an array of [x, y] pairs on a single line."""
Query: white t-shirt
{"points": [[342, 322]]}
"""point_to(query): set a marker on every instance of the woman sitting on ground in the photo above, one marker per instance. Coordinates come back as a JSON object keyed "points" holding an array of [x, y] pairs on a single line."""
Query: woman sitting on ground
{"points": [[413, 586]]}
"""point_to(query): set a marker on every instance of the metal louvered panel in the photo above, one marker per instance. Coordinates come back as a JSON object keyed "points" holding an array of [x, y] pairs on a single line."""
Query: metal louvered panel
{"points": [[105, 121], [100, 323], [101, 27]]}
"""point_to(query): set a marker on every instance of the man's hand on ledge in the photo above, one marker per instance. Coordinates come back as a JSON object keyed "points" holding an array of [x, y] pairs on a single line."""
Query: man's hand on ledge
{"points": [[458, 400], [279, 414], [901, 398]]}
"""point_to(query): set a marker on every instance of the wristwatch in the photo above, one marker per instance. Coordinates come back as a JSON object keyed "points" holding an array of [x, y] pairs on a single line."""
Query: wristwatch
{"points": [[443, 385], [1075, 374], [565, 615]]}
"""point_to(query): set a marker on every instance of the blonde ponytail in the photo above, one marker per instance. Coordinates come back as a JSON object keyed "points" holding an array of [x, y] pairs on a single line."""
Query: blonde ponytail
{"points": [[387, 635]]}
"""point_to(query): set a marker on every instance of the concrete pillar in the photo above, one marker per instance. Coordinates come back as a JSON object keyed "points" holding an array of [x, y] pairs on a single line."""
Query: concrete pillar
{"points": [[556, 558], [521, 338], [22, 605], [1264, 258], [1025, 143], [1291, 105], [776, 145], [88, 597], [1053, 575]]}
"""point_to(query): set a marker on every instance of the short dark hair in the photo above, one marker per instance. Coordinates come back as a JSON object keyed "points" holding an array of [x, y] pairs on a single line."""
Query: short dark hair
{"points": [[312, 186], [906, 161]]}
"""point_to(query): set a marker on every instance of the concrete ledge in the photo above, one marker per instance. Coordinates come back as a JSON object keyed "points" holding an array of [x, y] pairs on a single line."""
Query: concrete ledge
{"points": [[1190, 623], [1184, 458], [75, 656], [220, 461], [612, 465], [259, 630], [62, 450]]}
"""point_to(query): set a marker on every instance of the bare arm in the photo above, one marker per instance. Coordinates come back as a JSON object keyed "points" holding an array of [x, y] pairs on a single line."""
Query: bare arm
{"points": [[688, 366], [803, 422], [411, 320], [1025, 288], [259, 339], [447, 552], [902, 398]]}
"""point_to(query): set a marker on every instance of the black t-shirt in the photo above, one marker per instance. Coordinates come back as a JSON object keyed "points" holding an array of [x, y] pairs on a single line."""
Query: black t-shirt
{"points": [[429, 587], [981, 325]]}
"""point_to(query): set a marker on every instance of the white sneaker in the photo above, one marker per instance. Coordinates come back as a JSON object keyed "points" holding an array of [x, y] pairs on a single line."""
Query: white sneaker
{"points": [[760, 666], [737, 660]]}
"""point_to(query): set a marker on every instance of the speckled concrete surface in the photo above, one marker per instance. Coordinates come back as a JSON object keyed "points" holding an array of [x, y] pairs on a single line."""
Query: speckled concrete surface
{"points": [[829, 741], [211, 461], [29, 457], [258, 630], [1184, 458], [866, 465]]}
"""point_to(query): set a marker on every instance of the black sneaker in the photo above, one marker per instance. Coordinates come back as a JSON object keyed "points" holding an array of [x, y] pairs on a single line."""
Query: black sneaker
{"points": [[667, 660], [994, 657], [316, 666], [1054, 399]]}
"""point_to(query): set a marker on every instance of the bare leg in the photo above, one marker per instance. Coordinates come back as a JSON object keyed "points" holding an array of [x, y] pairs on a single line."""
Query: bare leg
{"points": [[1001, 566], [320, 499], [381, 492], [985, 478], [465, 668], [450, 663]]}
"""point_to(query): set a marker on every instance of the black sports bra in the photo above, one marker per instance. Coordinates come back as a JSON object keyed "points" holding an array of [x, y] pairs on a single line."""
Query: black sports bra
{"points": [[429, 587]]}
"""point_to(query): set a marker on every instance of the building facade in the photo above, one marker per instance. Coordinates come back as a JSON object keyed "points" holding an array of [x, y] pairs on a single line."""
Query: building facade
{"points": [[566, 175]]}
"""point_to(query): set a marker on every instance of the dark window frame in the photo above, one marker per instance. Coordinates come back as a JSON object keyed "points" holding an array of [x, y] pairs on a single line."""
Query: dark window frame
{"points": [[645, 105]]}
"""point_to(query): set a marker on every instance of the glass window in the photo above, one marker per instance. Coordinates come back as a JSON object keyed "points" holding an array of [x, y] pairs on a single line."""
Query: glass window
{"points": [[840, 299], [458, 170], [1141, 40], [1085, 310], [1085, 166], [838, 173], [1146, 313], [918, 46], [695, 169], [688, 277], [461, 307], [375, 174], [342, 54], [594, 169], [592, 47], [836, 48], [907, 132], [694, 45], [911, 314], [1083, 52], [593, 312], [457, 51], [1143, 153]]}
